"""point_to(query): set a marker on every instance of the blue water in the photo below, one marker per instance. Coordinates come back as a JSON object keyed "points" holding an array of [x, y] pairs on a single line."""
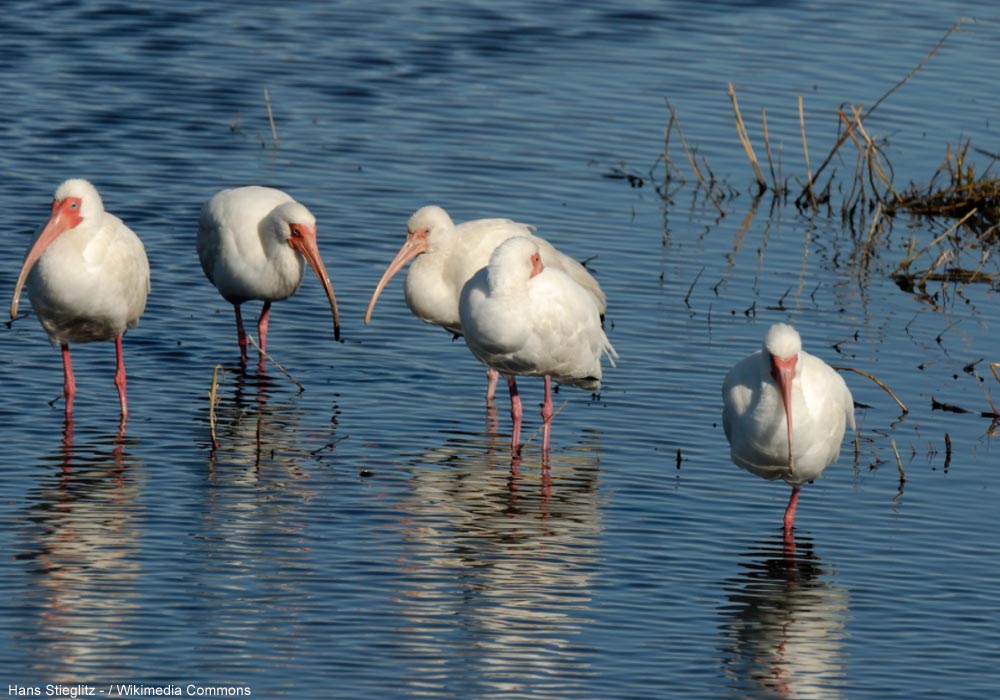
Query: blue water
{"points": [[370, 535]]}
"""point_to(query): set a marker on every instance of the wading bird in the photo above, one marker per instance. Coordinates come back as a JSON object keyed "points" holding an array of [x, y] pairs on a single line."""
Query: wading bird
{"points": [[522, 318], [785, 412], [87, 277], [251, 242], [446, 256]]}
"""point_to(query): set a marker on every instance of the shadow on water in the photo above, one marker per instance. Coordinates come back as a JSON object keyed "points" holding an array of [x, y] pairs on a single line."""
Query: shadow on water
{"points": [[81, 541], [783, 625], [500, 557]]}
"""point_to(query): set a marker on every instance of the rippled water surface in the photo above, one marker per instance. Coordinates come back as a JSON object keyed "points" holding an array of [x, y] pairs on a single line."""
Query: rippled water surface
{"points": [[371, 534]]}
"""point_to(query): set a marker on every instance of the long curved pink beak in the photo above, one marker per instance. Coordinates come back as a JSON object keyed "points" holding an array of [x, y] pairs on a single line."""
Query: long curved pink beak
{"points": [[306, 244], [64, 217], [416, 243], [783, 371]]}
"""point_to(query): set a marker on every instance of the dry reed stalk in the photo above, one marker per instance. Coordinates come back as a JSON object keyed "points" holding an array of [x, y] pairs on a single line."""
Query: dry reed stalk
{"points": [[212, 400], [270, 118], [872, 155], [923, 61], [687, 153], [741, 131], [984, 255], [942, 257], [767, 149], [805, 149], [891, 90], [899, 462], [555, 413], [989, 400], [877, 381], [667, 161], [871, 234], [276, 363]]}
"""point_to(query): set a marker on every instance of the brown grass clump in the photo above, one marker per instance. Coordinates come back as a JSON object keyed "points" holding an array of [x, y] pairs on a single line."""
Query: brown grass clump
{"points": [[956, 191]]}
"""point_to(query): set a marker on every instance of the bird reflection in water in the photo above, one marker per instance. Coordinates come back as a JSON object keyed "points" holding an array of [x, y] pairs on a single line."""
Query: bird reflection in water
{"points": [[254, 430], [251, 526], [784, 624], [500, 558], [82, 543]]}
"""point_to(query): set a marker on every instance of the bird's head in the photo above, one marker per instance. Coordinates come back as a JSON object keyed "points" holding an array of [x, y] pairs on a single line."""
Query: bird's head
{"points": [[782, 346], [295, 225], [75, 202], [425, 231], [513, 263]]}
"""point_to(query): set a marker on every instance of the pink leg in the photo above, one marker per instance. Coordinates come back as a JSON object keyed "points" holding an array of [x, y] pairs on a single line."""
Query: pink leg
{"points": [[69, 382], [790, 510], [515, 414], [241, 335], [120, 377], [265, 316], [491, 385], [546, 415]]}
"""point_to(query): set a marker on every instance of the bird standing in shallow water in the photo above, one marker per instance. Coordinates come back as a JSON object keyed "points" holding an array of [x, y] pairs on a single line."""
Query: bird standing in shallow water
{"points": [[522, 318], [446, 256], [785, 413], [87, 277], [251, 242]]}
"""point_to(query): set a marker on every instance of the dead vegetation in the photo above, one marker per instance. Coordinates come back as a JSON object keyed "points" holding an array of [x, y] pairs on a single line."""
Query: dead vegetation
{"points": [[856, 180], [957, 207]]}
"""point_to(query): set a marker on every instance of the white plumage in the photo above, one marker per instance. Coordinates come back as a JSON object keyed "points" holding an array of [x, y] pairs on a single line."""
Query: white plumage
{"points": [[780, 396], [446, 256], [251, 244], [87, 278], [522, 318]]}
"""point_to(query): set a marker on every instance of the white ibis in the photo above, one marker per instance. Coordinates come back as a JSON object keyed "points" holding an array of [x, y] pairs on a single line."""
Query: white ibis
{"points": [[87, 277], [251, 242], [785, 413], [446, 256], [522, 318]]}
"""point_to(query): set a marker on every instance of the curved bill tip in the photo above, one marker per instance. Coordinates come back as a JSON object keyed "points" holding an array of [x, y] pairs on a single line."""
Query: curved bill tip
{"points": [[310, 250]]}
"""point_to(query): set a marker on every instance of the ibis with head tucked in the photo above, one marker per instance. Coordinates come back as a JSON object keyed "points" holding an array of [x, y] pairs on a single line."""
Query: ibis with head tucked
{"points": [[522, 318], [445, 256]]}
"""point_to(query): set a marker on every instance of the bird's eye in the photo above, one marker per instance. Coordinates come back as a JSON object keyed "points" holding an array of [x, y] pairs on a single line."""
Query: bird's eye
{"points": [[296, 231]]}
